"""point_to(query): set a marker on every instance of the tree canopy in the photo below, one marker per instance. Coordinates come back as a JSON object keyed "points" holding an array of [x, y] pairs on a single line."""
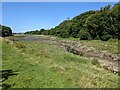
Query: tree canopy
{"points": [[100, 24], [5, 31]]}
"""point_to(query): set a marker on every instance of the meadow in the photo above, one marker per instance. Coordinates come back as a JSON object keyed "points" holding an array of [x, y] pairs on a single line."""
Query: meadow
{"points": [[41, 65]]}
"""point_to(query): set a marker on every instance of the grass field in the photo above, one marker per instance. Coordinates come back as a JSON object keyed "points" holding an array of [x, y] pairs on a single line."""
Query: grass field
{"points": [[42, 65], [110, 46]]}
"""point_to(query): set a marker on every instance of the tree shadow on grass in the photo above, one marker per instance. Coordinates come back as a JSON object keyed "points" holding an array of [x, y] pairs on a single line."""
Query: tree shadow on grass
{"points": [[4, 75]]}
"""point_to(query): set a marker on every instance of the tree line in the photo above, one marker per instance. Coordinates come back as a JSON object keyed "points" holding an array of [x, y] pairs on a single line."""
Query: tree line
{"points": [[5, 31], [101, 24]]}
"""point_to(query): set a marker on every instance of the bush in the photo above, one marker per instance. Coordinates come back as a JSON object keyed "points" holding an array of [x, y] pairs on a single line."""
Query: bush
{"points": [[84, 35], [113, 40], [65, 35], [95, 62], [20, 45], [6, 31], [97, 37], [106, 37]]}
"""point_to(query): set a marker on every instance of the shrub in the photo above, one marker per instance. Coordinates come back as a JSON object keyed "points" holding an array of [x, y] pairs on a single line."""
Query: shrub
{"points": [[6, 31], [20, 45], [95, 62], [65, 35], [106, 37], [113, 40], [84, 35]]}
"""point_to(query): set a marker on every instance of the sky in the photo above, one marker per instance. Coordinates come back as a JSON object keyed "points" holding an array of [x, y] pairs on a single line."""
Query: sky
{"points": [[60, 0], [27, 16]]}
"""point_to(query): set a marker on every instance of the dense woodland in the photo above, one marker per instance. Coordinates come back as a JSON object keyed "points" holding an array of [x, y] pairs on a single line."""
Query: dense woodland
{"points": [[5, 31], [91, 25]]}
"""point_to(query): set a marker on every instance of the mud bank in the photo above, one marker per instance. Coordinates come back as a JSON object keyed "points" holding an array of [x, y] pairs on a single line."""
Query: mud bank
{"points": [[106, 59]]}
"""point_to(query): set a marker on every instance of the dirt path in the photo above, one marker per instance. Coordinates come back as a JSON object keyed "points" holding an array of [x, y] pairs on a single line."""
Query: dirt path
{"points": [[106, 59]]}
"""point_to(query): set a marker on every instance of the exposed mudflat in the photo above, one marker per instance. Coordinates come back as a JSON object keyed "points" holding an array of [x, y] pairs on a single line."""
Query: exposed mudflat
{"points": [[106, 59]]}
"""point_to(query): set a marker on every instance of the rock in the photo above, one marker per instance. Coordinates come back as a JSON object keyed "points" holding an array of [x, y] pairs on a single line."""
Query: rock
{"points": [[115, 57], [96, 51]]}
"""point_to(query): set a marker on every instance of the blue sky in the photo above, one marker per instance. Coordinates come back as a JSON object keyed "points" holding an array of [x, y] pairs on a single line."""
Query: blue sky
{"points": [[27, 16]]}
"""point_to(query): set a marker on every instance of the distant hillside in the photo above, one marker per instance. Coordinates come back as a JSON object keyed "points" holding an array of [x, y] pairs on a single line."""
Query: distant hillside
{"points": [[100, 24]]}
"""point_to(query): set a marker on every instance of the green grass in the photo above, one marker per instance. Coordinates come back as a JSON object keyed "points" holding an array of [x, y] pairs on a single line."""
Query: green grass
{"points": [[47, 66], [110, 45]]}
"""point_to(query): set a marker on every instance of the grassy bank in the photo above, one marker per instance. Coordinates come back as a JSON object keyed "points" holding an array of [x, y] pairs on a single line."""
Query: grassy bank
{"points": [[42, 65], [110, 45]]}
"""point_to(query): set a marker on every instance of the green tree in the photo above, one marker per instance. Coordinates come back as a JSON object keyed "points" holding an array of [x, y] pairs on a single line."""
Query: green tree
{"points": [[84, 35], [6, 31]]}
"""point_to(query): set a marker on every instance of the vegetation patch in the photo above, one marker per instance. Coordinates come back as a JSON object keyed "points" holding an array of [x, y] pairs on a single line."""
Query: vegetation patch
{"points": [[50, 67], [101, 24], [95, 62]]}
